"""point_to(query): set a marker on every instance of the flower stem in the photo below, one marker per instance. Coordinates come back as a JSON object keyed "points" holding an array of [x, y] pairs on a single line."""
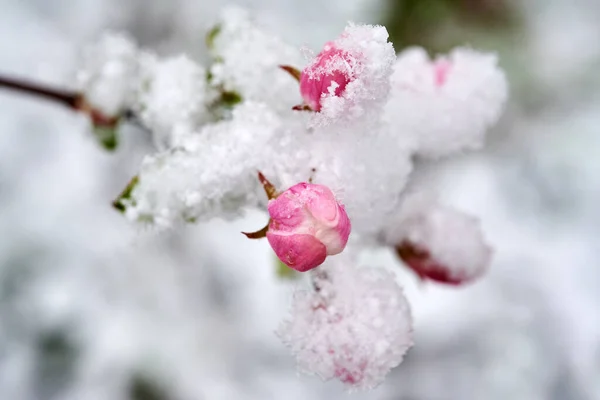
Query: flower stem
{"points": [[317, 275]]}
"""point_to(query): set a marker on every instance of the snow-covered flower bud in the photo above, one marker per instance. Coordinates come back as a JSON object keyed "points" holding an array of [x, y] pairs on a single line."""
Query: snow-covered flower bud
{"points": [[446, 105], [355, 327], [107, 73], [327, 75], [307, 225], [444, 245], [349, 76]]}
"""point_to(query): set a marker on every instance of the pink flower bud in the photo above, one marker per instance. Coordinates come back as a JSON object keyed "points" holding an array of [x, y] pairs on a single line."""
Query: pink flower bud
{"points": [[427, 266], [438, 242], [327, 75], [307, 225]]}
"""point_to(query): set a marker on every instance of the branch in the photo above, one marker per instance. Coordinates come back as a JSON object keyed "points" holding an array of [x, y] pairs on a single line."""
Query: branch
{"points": [[70, 99], [73, 100], [104, 126]]}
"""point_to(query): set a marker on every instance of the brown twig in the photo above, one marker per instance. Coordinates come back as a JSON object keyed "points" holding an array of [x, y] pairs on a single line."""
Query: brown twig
{"points": [[72, 99], [68, 98]]}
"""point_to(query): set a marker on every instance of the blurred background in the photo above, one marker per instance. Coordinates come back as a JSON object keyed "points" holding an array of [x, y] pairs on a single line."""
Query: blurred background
{"points": [[92, 307]]}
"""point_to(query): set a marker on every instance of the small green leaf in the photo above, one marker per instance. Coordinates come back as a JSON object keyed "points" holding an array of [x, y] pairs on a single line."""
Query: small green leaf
{"points": [[230, 99], [211, 36], [125, 194], [55, 363], [285, 272], [107, 136], [143, 388], [222, 105]]}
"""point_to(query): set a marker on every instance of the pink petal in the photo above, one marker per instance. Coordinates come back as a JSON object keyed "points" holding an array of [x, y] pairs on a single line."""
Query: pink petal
{"points": [[287, 212], [300, 252], [343, 227], [426, 267], [322, 204]]}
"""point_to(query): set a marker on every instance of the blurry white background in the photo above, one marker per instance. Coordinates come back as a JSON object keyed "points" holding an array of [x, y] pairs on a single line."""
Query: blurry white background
{"points": [[92, 307]]}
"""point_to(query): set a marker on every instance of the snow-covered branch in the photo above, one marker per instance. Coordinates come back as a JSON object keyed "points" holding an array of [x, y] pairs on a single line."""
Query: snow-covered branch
{"points": [[334, 136]]}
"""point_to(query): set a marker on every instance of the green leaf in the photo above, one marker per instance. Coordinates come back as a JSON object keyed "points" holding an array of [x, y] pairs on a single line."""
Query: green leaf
{"points": [[143, 388], [285, 272], [55, 362], [230, 99], [107, 136], [125, 194], [211, 36]]}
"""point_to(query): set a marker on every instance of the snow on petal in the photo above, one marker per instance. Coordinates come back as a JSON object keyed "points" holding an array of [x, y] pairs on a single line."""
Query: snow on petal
{"points": [[327, 75], [351, 75]]}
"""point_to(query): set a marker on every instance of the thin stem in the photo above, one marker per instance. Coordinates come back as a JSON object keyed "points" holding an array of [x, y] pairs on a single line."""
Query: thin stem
{"points": [[74, 100], [316, 275], [67, 98]]}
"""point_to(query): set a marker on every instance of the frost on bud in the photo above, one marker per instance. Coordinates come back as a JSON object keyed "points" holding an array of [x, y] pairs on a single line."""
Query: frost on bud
{"points": [[307, 225], [446, 105], [355, 327], [350, 75], [443, 244], [328, 75]]}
